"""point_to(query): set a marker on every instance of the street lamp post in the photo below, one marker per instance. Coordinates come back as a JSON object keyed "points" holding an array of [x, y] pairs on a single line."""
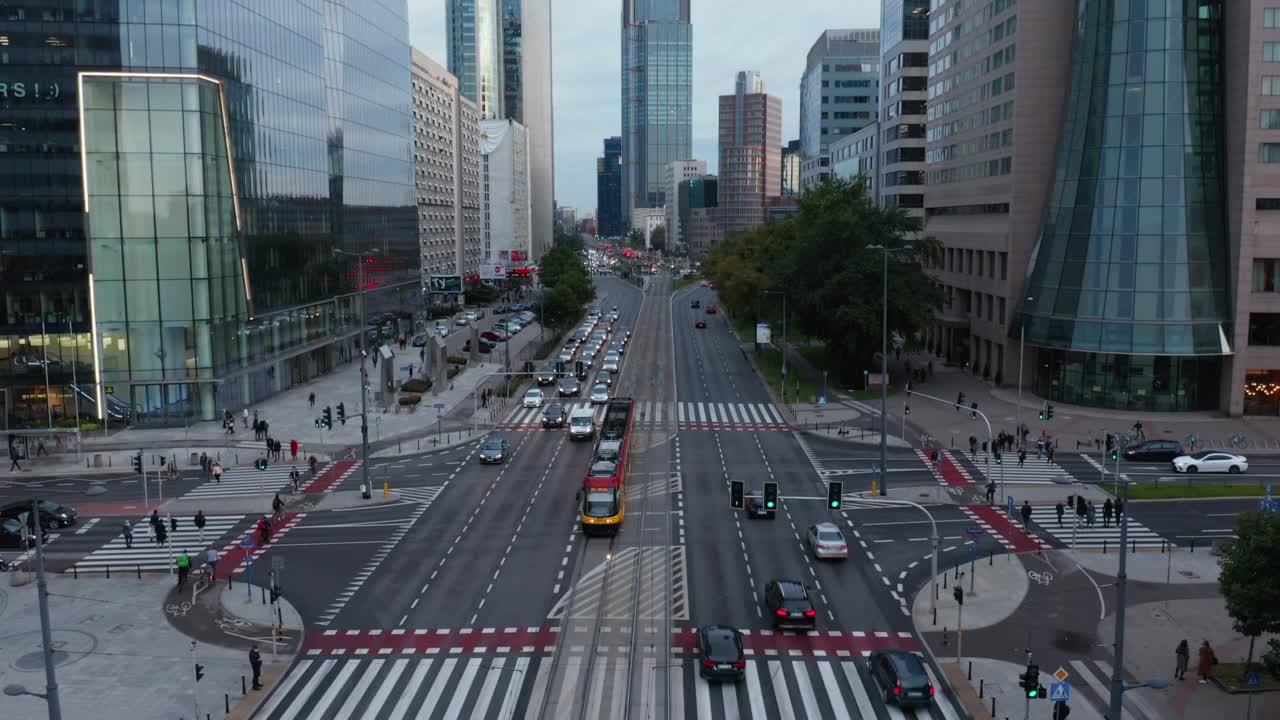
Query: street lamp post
{"points": [[884, 361], [783, 293], [1022, 354], [364, 380], [933, 577]]}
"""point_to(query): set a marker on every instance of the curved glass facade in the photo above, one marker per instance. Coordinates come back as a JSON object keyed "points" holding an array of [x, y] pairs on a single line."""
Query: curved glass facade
{"points": [[1132, 257]]}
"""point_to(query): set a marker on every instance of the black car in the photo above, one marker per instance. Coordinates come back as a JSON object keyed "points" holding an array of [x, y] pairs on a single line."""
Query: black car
{"points": [[493, 451], [720, 653], [695, 304], [554, 416], [755, 505], [1154, 451], [901, 677], [14, 535], [546, 376], [52, 514], [789, 605], [568, 387]]}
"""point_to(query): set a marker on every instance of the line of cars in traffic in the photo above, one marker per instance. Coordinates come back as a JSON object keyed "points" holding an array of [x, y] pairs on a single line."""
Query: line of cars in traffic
{"points": [[1172, 452], [598, 339]]}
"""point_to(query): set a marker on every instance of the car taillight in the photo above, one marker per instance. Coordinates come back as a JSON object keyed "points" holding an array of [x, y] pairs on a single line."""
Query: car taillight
{"points": [[780, 612], [931, 691], [897, 689], [708, 664], [741, 664], [810, 612], [844, 547]]}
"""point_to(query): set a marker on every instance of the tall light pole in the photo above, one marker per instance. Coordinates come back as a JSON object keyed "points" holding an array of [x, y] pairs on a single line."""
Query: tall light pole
{"points": [[1022, 354], [783, 293], [884, 361], [364, 410]]}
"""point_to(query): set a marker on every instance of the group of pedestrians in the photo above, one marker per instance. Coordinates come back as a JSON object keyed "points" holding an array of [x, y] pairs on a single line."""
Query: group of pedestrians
{"points": [[1086, 512], [486, 395], [210, 467], [1204, 662]]}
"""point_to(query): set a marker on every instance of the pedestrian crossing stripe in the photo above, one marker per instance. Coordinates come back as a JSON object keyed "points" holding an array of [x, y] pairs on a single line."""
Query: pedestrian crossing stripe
{"points": [[246, 481], [147, 555], [388, 688], [651, 413], [1076, 532], [1035, 471], [424, 495]]}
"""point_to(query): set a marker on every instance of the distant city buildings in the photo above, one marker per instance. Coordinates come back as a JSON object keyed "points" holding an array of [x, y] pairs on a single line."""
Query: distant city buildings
{"points": [[646, 220], [677, 172], [858, 155], [791, 168], [750, 148], [838, 95], [697, 218], [446, 154], [904, 64], [609, 221], [505, 211], [657, 97]]}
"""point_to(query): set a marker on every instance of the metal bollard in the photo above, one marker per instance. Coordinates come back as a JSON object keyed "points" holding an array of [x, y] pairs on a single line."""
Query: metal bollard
{"points": [[1193, 544], [993, 706], [982, 682], [1134, 546], [1104, 546], [264, 596], [944, 580], [139, 569], [75, 574], [244, 689], [970, 669], [226, 702], [935, 616], [991, 558]]}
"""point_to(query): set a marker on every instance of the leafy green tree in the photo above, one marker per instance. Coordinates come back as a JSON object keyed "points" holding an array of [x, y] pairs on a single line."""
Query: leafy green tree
{"points": [[635, 239], [658, 239], [1250, 565]]}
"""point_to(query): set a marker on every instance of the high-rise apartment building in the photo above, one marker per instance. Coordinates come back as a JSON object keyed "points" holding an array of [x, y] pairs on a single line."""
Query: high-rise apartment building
{"points": [[858, 156], [657, 97], [904, 77], [446, 154], [750, 153], [505, 215], [697, 196], [609, 222], [677, 172], [169, 209], [500, 50], [838, 95], [997, 73], [791, 169]]}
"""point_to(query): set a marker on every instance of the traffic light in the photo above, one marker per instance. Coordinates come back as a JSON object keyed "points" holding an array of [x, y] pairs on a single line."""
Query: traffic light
{"points": [[835, 494], [327, 419], [199, 672], [342, 413], [262, 463], [999, 458], [771, 496], [1044, 411], [906, 409], [736, 500], [1048, 409], [1029, 681], [559, 367], [1115, 454], [958, 594], [137, 463]]}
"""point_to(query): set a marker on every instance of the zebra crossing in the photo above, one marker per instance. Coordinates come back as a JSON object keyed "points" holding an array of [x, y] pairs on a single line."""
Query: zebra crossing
{"points": [[658, 598], [520, 686], [420, 495], [1035, 471], [147, 555], [1075, 532], [246, 481], [651, 414]]}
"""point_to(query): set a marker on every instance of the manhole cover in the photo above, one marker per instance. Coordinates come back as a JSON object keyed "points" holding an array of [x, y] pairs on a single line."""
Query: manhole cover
{"points": [[28, 655], [1073, 642]]}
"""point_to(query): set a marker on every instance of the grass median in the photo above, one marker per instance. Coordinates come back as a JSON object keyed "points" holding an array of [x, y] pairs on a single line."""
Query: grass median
{"points": [[1194, 489]]}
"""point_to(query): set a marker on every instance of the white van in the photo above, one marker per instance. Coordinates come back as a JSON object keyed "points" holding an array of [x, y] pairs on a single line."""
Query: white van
{"points": [[582, 423]]}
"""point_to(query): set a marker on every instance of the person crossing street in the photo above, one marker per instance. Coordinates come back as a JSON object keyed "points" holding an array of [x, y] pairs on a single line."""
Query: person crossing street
{"points": [[255, 662], [1107, 509], [1026, 513], [184, 566], [127, 531], [1061, 511]]}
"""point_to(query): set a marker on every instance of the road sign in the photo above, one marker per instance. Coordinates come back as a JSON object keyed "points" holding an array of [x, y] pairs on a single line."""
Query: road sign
{"points": [[1062, 674], [1251, 679], [822, 399], [439, 406], [875, 468], [1060, 692], [444, 284], [975, 530]]}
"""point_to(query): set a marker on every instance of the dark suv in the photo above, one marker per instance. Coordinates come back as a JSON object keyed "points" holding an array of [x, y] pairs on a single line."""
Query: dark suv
{"points": [[789, 605], [901, 677], [1154, 451], [554, 416], [720, 653], [755, 505]]}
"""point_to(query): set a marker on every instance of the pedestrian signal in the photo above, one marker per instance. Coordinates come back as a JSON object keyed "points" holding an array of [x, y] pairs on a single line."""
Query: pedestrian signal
{"points": [[342, 413], [262, 463], [137, 463], [771, 496], [958, 594], [999, 458], [1029, 681], [736, 495], [1115, 454], [835, 494], [199, 672]]}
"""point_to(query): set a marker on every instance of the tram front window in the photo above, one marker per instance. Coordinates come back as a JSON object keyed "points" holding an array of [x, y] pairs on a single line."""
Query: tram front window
{"points": [[600, 503]]}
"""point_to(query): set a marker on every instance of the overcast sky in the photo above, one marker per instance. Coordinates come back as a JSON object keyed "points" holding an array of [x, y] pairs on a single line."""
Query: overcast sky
{"points": [[728, 36]]}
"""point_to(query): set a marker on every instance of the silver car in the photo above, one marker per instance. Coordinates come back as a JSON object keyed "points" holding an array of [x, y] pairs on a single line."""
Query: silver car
{"points": [[611, 363], [600, 394], [826, 541]]}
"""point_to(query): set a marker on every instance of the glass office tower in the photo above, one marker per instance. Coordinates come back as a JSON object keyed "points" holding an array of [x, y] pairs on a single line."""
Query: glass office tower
{"points": [[657, 97], [172, 190], [1127, 295]]}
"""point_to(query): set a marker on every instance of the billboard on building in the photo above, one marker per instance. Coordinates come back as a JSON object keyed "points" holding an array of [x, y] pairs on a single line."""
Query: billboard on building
{"points": [[493, 271]]}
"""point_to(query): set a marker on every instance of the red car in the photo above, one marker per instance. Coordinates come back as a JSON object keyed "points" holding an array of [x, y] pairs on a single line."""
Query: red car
{"points": [[700, 324], [711, 309]]}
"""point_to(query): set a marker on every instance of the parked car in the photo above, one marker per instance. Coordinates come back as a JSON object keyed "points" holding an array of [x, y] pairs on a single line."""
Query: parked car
{"points": [[1211, 461], [1154, 450]]}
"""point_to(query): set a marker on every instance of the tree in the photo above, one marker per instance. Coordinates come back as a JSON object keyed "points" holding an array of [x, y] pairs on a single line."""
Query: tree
{"points": [[658, 239], [1250, 565], [635, 239]]}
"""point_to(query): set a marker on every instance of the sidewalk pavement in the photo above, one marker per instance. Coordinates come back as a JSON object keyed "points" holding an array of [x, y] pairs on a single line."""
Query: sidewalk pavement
{"points": [[1070, 423], [998, 589], [117, 658]]}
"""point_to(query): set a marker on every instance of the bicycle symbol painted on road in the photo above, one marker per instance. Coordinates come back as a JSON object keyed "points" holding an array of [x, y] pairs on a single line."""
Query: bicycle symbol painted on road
{"points": [[178, 610], [1044, 578]]}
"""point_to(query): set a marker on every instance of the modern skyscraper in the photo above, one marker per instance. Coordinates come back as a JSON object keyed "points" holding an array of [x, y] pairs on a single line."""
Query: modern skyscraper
{"points": [[657, 97], [609, 221], [838, 95], [990, 145], [169, 206], [698, 196], [791, 169], [676, 172], [446, 154], [1127, 295], [500, 50], [750, 153], [904, 78], [505, 215]]}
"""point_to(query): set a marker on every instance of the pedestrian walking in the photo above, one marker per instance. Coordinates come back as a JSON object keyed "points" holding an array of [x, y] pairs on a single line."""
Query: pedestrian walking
{"points": [[155, 519], [277, 505], [184, 566], [1107, 509], [1061, 511], [199, 521], [13, 459], [211, 562], [1081, 511], [255, 663], [1093, 514], [294, 477], [293, 449], [959, 401], [127, 531], [40, 448], [161, 533], [244, 417], [1022, 457], [264, 529], [204, 464], [1183, 655], [217, 471], [1204, 668], [1119, 510], [312, 399], [1049, 454], [991, 492], [1026, 512]]}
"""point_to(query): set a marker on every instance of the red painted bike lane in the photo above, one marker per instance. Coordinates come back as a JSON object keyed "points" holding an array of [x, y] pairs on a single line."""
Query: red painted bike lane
{"points": [[1008, 533]]}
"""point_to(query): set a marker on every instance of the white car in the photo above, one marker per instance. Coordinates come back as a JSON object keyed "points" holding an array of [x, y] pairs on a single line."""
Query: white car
{"points": [[471, 315], [611, 363], [533, 398], [442, 329], [1211, 461], [826, 541], [462, 321], [600, 394]]}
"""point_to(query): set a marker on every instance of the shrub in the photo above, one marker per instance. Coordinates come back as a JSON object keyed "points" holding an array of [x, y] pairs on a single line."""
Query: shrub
{"points": [[456, 360], [416, 385], [453, 371], [410, 399]]}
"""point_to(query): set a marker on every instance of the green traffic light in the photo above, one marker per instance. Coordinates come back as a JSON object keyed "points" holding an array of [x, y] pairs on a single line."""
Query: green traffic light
{"points": [[769, 504], [835, 505], [1032, 693]]}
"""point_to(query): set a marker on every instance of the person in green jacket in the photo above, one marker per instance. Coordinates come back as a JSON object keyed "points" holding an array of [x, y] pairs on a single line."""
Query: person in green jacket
{"points": [[184, 567]]}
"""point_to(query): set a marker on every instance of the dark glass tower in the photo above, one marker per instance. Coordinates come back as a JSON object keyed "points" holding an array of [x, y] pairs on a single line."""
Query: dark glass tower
{"points": [[171, 195], [1127, 292], [609, 189]]}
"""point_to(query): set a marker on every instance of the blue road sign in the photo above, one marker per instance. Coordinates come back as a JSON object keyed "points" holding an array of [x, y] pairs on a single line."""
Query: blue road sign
{"points": [[975, 530], [1251, 679], [1060, 692], [875, 468], [822, 399], [439, 406]]}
